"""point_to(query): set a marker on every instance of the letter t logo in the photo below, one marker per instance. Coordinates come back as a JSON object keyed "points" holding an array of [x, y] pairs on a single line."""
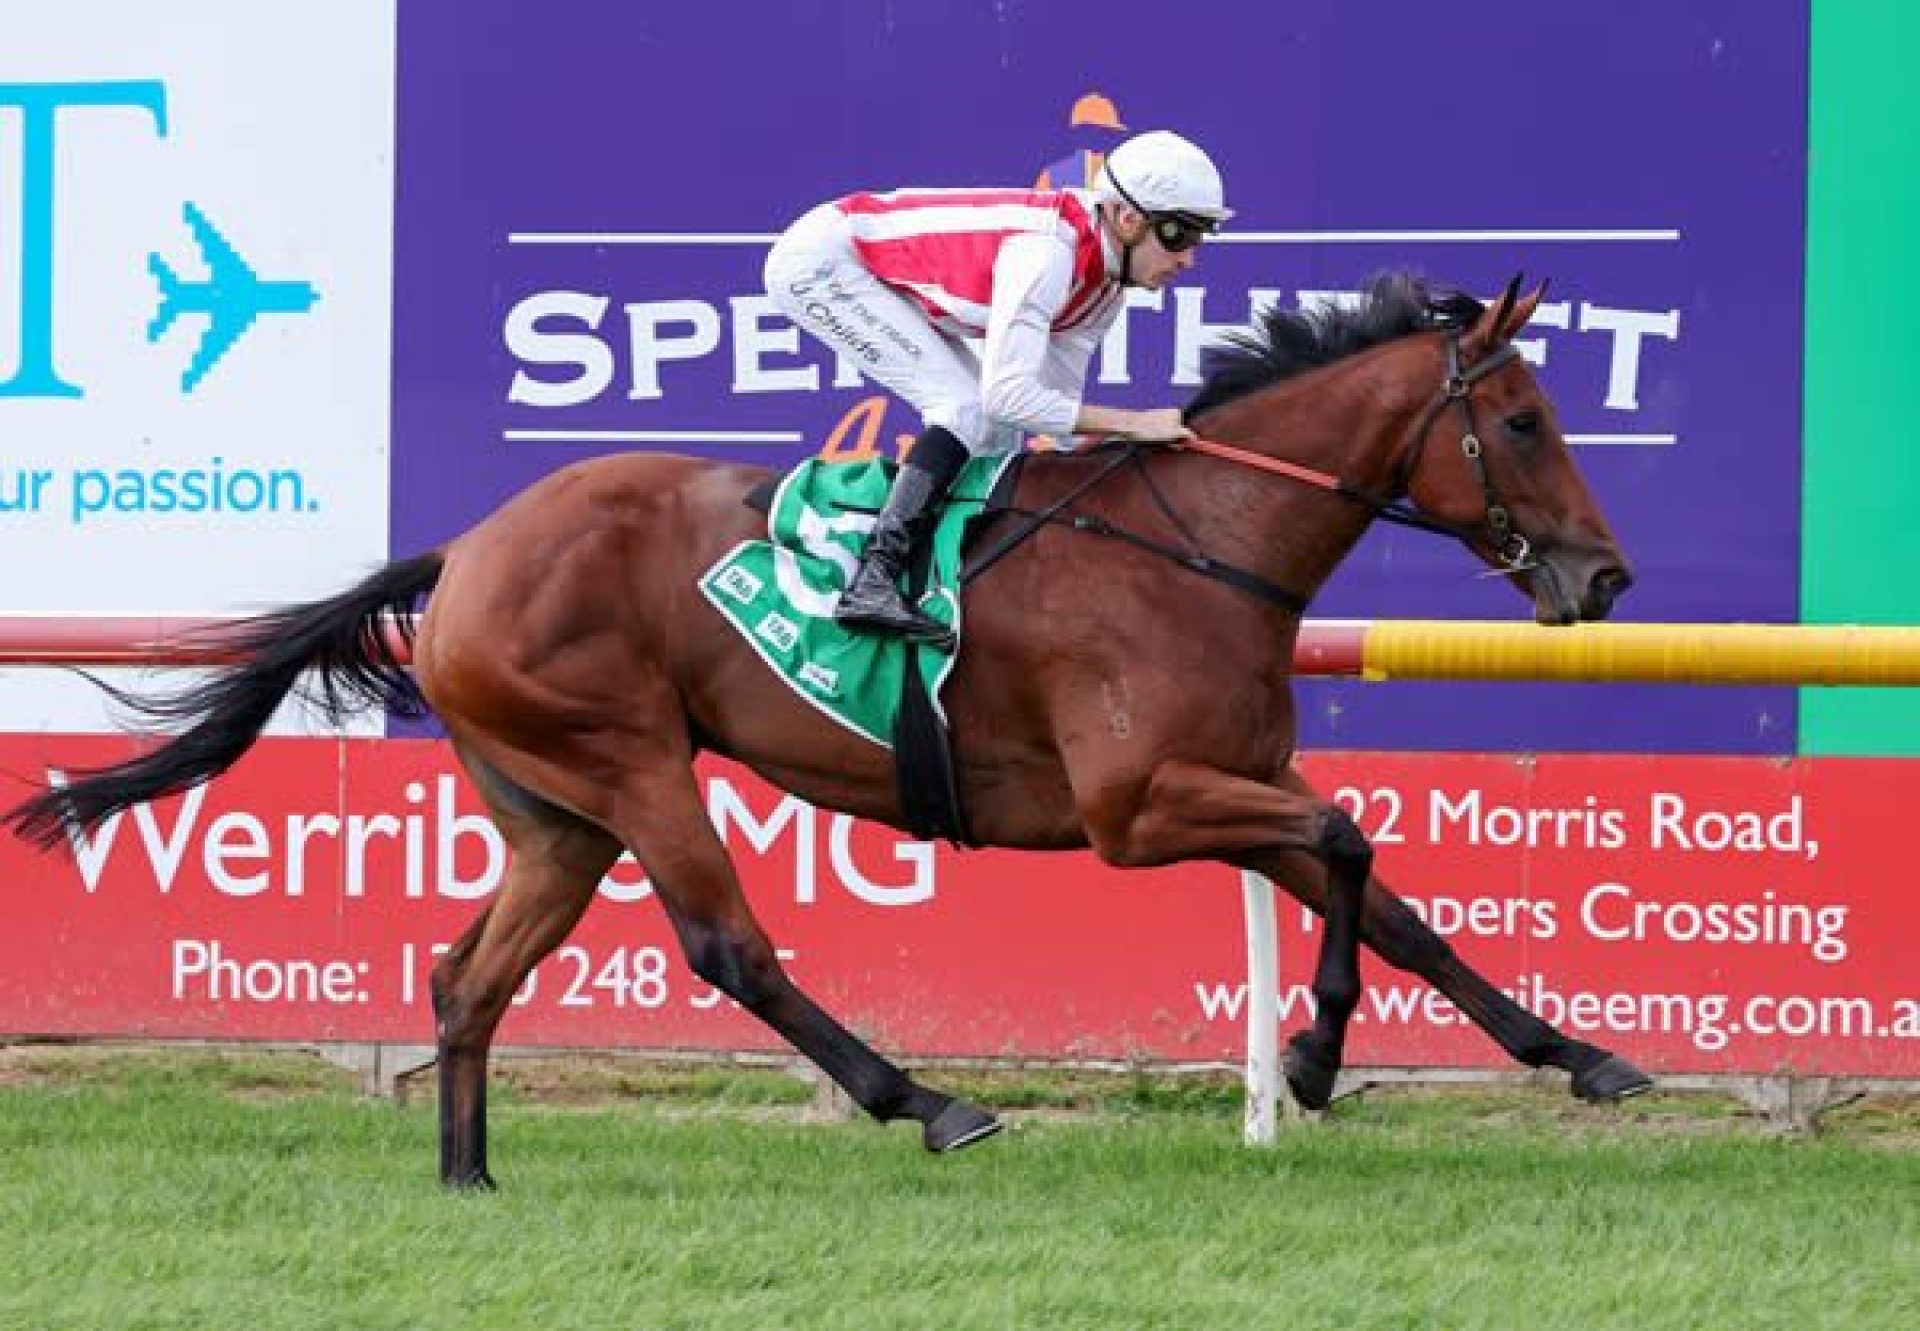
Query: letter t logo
{"points": [[39, 105]]}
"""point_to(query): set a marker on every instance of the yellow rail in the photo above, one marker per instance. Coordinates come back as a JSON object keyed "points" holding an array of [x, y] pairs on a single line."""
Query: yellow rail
{"points": [[1777, 654]]}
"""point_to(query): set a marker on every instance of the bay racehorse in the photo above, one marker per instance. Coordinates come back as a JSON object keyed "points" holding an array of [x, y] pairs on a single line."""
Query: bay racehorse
{"points": [[1132, 695]]}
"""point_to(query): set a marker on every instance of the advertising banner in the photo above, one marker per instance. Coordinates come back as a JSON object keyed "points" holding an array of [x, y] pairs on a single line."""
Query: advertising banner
{"points": [[586, 201], [195, 267], [1698, 915]]}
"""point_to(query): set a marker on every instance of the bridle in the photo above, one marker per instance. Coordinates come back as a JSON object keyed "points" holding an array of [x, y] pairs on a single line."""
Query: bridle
{"points": [[1512, 548], [1515, 551]]}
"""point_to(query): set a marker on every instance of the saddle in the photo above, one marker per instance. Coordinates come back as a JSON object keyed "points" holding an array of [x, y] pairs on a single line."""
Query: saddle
{"points": [[779, 594]]}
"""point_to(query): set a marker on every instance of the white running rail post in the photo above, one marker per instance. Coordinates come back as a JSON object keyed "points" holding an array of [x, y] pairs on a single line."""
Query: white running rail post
{"points": [[1269, 1100], [1263, 1025]]}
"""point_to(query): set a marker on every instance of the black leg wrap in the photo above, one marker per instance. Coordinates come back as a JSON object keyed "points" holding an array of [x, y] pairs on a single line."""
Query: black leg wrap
{"points": [[1310, 1073], [1344, 848]]}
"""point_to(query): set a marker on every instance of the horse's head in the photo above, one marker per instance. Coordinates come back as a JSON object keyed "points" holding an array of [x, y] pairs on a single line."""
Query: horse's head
{"points": [[1488, 459]]}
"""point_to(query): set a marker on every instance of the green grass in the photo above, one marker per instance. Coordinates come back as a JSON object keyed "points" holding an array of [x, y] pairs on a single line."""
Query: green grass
{"points": [[258, 1192]]}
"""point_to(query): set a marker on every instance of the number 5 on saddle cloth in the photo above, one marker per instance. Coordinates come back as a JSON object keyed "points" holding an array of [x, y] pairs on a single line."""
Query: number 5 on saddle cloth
{"points": [[779, 595]]}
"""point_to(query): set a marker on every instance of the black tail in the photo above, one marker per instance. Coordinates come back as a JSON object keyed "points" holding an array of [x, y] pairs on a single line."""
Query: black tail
{"points": [[344, 640]]}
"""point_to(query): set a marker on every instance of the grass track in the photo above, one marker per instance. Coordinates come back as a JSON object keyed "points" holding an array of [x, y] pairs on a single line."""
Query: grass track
{"points": [[257, 1192]]}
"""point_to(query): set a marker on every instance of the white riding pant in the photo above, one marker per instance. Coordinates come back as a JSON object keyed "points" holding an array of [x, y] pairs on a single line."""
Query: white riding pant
{"points": [[816, 278]]}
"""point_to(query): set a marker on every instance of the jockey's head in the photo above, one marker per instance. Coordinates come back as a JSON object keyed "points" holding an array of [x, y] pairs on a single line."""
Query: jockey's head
{"points": [[1164, 197]]}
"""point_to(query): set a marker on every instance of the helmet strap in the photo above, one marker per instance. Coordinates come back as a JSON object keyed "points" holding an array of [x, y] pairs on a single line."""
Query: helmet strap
{"points": [[1126, 249]]}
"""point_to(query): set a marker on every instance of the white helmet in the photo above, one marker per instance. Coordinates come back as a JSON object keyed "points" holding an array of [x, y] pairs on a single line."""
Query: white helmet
{"points": [[1160, 172]]}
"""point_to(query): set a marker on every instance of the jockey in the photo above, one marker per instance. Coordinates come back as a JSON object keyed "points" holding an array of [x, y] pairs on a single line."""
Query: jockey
{"points": [[899, 283]]}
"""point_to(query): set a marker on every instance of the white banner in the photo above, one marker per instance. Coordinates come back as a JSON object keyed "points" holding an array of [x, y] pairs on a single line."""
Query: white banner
{"points": [[196, 205]]}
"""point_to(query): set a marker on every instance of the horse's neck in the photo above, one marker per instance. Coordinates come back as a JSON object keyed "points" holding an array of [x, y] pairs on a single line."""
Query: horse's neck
{"points": [[1349, 421]]}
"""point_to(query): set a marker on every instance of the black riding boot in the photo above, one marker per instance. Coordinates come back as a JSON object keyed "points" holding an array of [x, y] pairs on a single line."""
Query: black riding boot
{"points": [[872, 601]]}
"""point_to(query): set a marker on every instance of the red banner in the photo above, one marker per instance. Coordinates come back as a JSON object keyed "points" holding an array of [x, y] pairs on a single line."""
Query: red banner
{"points": [[1697, 914]]}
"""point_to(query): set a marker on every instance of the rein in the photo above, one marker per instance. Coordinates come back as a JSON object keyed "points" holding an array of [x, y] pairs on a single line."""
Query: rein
{"points": [[1515, 551], [1390, 510]]}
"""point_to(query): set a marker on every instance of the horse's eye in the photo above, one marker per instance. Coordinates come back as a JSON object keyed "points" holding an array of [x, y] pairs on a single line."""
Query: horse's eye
{"points": [[1524, 424]]}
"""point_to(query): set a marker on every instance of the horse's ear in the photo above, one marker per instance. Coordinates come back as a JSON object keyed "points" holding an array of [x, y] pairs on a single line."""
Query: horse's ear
{"points": [[1505, 317], [1522, 312]]}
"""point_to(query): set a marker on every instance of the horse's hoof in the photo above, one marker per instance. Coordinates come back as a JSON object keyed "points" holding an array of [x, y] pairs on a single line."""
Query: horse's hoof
{"points": [[1610, 1081], [1309, 1075], [478, 1181], [959, 1124]]}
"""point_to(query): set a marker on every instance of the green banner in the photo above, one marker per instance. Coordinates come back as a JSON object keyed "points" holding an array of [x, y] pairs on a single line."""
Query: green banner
{"points": [[1861, 501]]}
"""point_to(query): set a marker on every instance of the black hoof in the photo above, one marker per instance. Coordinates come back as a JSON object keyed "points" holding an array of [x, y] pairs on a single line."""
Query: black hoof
{"points": [[959, 1124], [481, 1181], [1309, 1074], [1610, 1080]]}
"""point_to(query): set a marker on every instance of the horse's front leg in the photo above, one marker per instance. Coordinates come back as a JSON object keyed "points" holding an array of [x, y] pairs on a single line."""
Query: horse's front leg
{"points": [[1391, 928], [1187, 812]]}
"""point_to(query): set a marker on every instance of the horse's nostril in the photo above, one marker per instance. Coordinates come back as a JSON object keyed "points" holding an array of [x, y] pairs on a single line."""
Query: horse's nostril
{"points": [[1611, 582]]}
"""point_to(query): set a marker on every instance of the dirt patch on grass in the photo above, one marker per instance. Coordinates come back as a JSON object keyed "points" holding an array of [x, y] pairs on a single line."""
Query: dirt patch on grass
{"points": [[1881, 1120], [243, 1072], [43, 1064]]}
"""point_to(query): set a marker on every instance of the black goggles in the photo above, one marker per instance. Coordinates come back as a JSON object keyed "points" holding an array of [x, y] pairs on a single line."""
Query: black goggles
{"points": [[1177, 232]]}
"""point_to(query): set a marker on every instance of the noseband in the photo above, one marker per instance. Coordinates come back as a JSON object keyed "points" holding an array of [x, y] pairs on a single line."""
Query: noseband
{"points": [[1514, 550]]}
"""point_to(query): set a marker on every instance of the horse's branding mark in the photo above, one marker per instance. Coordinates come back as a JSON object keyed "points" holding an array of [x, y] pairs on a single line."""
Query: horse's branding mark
{"points": [[1115, 697]]}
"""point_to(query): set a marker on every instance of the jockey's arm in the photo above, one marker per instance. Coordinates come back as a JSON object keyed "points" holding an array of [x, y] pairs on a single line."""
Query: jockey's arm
{"points": [[1031, 279]]}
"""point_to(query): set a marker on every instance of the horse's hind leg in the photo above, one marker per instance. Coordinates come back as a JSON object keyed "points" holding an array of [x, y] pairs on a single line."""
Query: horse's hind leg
{"points": [[556, 860], [1390, 927], [664, 824]]}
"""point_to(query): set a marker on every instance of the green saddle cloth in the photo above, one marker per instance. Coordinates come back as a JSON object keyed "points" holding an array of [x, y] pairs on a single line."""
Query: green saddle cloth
{"points": [[780, 593]]}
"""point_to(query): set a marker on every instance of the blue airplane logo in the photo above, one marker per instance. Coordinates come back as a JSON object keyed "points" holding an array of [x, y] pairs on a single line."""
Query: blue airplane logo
{"points": [[232, 297]]}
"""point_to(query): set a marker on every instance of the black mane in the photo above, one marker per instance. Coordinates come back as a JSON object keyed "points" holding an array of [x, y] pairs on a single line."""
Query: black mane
{"points": [[1284, 343]]}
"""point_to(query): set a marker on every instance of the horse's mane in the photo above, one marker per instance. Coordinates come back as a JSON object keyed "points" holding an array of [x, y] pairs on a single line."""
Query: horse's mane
{"points": [[1283, 343]]}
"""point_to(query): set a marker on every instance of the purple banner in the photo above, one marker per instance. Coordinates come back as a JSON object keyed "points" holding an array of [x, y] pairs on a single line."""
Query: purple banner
{"points": [[585, 200]]}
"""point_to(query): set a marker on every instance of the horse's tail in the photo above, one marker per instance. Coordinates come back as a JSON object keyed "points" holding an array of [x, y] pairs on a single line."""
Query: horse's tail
{"points": [[351, 642]]}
